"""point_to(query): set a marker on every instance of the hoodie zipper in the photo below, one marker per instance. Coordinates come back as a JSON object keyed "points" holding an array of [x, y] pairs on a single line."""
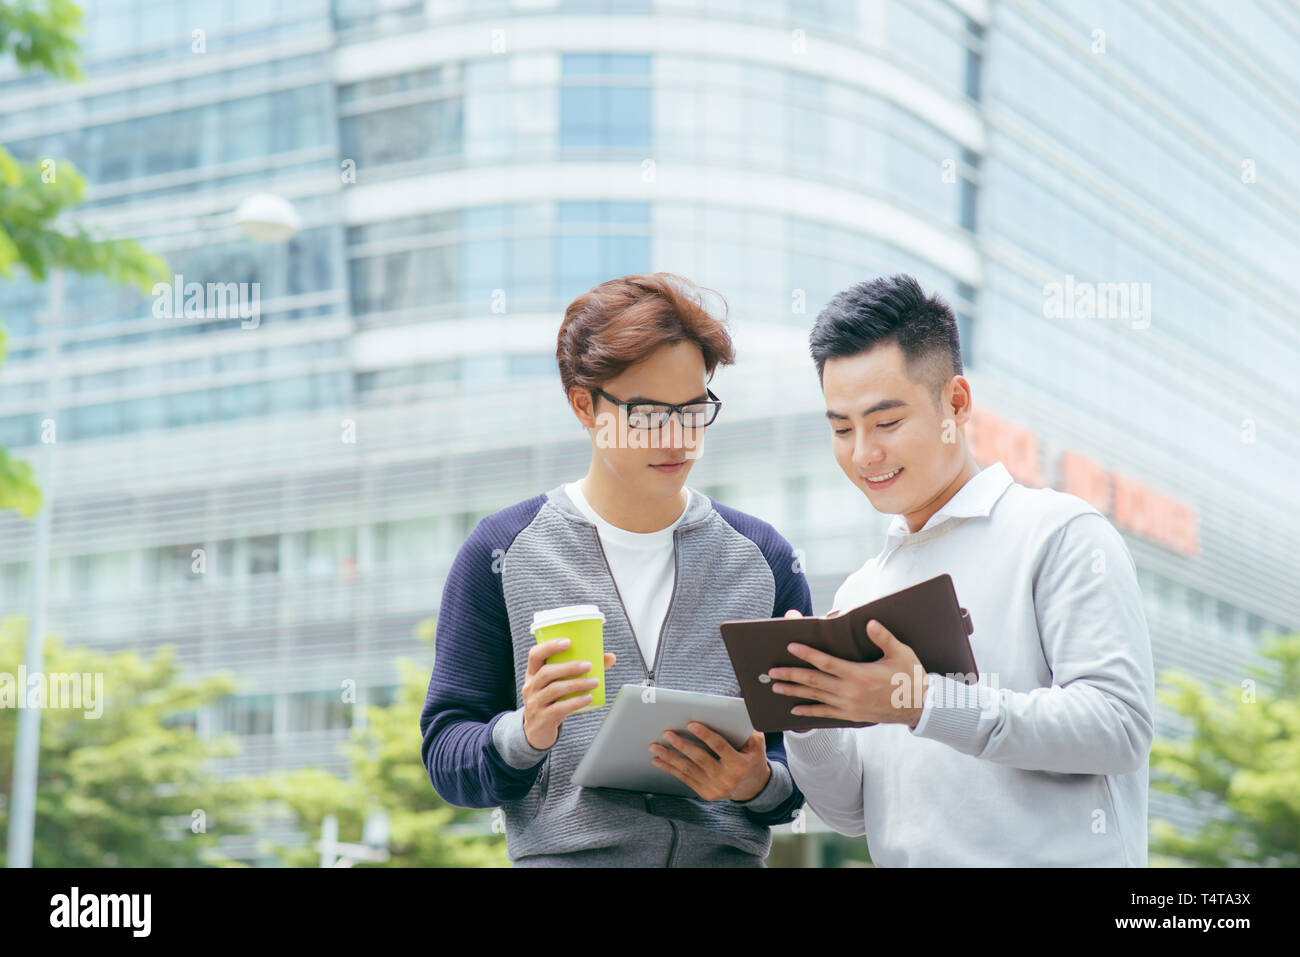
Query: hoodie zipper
{"points": [[672, 598], [672, 847]]}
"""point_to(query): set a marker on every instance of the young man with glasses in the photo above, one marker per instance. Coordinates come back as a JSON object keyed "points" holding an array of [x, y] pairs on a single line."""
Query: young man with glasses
{"points": [[664, 564]]}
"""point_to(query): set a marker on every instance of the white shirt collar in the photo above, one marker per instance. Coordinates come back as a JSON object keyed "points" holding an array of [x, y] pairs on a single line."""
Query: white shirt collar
{"points": [[976, 497]]}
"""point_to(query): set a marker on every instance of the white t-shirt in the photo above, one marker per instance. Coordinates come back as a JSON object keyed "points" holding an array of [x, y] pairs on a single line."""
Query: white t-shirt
{"points": [[644, 569]]}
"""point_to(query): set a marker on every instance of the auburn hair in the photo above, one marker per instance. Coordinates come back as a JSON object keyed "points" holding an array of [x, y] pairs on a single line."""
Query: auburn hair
{"points": [[622, 321]]}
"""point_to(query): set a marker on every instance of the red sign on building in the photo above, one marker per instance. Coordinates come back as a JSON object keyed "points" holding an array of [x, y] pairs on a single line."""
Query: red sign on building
{"points": [[1127, 502]]}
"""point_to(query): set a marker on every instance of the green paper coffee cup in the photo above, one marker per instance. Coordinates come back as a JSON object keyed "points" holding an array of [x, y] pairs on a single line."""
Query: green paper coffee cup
{"points": [[584, 626]]}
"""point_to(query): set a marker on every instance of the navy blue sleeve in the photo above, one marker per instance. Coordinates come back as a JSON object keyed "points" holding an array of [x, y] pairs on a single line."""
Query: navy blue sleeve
{"points": [[791, 592], [473, 680], [787, 565], [791, 583]]}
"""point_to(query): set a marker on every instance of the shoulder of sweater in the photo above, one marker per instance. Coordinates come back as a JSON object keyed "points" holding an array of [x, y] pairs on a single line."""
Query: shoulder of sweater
{"points": [[751, 526], [499, 529], [1041, 511], [774, 546]]}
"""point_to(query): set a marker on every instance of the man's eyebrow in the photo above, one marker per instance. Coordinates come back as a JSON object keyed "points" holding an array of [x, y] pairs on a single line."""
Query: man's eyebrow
{"points": [[880, 406], [649, 401]]}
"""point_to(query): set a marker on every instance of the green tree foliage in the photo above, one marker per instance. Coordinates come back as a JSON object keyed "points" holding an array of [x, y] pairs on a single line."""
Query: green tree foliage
{"points": [[1243, 754], [36, 234], [386, 773], [122, 789]]}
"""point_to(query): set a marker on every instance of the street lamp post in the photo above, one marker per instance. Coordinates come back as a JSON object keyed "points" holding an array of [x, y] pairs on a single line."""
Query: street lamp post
{"points": [[373, 846], [22, 811]]}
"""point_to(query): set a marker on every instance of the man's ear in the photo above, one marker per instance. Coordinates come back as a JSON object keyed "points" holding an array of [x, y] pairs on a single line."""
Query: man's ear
{"points": [[957, 399], [580, 403]]}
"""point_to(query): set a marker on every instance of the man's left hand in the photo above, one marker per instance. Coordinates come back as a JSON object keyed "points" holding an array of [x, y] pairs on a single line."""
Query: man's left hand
{"points": [[735, 775], [857, 691]]}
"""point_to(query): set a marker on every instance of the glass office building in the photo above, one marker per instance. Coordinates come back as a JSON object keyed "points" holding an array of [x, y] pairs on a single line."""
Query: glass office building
{"points": [[1101, 196]]}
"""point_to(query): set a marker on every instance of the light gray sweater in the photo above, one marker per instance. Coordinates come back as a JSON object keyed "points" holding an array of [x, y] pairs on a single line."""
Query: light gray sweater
{"points": [[1045, 763]]}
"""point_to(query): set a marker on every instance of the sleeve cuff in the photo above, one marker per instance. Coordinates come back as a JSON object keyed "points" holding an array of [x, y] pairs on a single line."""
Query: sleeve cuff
{"points": [[951, 713], [927, 706], [816, 746], [511, 743], [779, 786]]}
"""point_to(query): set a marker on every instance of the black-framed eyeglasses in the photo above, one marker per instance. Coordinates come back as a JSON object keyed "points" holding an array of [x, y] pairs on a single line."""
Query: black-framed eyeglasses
{"points": [[655, 415]]}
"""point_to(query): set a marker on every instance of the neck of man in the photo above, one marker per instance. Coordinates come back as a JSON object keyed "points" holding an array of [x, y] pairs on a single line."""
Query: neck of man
{"points": [[607, 495], [969, 468]]}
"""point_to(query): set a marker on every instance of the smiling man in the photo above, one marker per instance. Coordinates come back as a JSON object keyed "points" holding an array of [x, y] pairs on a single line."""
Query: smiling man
{"points": [[1042, 762]]}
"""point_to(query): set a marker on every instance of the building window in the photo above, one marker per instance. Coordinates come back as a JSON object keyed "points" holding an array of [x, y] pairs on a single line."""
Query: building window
{"points": [[605, 101], [969, 192], [264, 555], [382, 696], [599, 241], [327, 551], [962, 307], [182, 719], [172, 564], [404, 134], [246, 715], [974, 62], [319, 711]]}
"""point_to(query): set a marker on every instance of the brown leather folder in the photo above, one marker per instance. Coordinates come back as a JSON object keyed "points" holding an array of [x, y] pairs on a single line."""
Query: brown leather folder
{"points": [[926, 617]]}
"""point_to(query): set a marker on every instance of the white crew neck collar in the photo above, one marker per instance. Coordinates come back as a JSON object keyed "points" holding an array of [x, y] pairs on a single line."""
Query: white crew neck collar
{"points": [[622, 535]]}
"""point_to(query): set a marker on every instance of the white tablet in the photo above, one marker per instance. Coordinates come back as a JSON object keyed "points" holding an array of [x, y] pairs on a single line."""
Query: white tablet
{"points": [[619, 756]]}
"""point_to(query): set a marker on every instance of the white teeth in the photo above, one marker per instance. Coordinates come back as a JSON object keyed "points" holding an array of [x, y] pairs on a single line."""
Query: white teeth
{"points": [[883, 478]]}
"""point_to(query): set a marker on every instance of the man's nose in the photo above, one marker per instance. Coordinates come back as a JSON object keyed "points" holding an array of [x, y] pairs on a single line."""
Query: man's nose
{"points": [[671, 432], [867, 452]]}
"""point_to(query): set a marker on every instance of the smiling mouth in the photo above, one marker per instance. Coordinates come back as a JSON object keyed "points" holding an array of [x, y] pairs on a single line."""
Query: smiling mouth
{"points": [[884, 477]]}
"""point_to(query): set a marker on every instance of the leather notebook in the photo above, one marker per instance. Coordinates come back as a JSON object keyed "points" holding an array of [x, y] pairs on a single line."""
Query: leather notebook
{"points": [[925, 616]]}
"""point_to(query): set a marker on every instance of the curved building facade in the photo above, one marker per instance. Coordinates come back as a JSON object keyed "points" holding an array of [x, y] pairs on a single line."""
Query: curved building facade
{"points": [[463, 170]]}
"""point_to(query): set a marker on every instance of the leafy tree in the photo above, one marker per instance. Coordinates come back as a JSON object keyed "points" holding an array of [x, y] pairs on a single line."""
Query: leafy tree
{"points": [[122, 788], [385, 772], [1241, 763], [36, 197]]}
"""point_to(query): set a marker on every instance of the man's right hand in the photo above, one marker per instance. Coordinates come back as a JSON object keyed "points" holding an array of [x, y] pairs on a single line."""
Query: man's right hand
{"points": [[545, 684]]}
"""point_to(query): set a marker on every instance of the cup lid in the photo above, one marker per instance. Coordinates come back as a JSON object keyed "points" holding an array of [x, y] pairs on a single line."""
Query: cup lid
{"points": [[558, 616]]}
